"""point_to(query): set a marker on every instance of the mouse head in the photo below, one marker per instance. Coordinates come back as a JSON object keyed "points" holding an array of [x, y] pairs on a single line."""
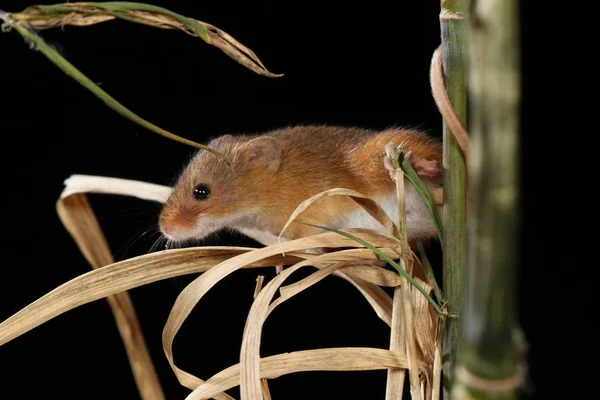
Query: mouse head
{"points": [[211, 195]]}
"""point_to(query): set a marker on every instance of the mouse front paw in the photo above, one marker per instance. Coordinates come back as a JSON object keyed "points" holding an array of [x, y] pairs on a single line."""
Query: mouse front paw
{"points": [[423, 167]]}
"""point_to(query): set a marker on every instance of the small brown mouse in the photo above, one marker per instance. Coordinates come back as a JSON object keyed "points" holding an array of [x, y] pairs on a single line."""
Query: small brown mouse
{"points": [[272, 173]]}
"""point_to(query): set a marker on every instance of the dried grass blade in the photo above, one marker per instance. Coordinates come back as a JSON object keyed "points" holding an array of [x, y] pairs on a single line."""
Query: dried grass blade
{"points": [[250, 387], [260, 280], [376, 296], [411, 344], [261, 308], [290, 291], [77, 216], [395, 378], [372, 273], [190, 296], [359, 267], [366, 203], [88, 13], [121, 276], [265, 389], [436, 386], [375, 275], [406, 264], [367, 280], [331, 359], [125, 187], [425, 323], [388, 259]]}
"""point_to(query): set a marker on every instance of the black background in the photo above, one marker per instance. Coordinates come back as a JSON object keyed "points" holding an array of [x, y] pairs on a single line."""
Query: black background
{"points": [[362, 64]]}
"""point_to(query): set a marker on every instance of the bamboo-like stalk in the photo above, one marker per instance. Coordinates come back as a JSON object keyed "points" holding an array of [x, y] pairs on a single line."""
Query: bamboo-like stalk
{"points": [[489, 357], [455, 180]]}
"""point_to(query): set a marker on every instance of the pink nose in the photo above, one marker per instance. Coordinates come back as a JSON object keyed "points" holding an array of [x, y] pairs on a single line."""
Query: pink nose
{"points": [[171, 229]]}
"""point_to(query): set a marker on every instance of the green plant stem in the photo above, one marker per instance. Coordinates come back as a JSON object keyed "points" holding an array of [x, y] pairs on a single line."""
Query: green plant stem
{"points": [[453, 31]]}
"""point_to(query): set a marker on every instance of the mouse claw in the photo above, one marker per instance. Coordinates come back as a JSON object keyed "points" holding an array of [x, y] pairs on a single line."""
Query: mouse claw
{"points": [[390, 148], [278, 269], [389, 167]]}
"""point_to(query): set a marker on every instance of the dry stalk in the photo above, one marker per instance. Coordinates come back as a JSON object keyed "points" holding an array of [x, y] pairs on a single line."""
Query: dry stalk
{"points": [[356, 264]]}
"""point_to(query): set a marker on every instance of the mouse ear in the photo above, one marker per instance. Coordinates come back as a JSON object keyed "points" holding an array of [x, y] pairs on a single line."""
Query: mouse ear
{"points": [[265, 149]]}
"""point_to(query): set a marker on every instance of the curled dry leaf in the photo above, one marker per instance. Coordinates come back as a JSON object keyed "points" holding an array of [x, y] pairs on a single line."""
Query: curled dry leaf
{"points": [[121, 276], [395, 377], [365, 279], [357, 265], [79, 219], [366, 203], [84, 14], [261, 308], [190, 296], [425, 323], [331, 359]]}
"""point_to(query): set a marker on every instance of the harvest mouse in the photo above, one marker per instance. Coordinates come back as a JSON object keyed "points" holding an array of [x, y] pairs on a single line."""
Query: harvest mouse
{"points": [[272, 173]]}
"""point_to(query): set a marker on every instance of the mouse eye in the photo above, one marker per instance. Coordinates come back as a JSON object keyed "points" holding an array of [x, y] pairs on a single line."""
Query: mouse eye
{"points": [[202, 191]]}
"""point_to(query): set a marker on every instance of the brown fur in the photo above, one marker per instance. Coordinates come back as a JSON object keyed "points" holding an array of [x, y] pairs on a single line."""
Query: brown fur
{"points": [[311, 159]]}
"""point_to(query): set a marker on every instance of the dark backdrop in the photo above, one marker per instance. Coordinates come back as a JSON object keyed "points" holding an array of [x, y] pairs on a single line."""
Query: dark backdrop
{"points": [[364, 64]]}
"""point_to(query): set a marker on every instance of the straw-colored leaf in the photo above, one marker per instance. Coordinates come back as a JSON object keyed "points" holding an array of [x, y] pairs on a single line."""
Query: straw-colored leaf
{"points": [[365, 202], [260, 280], [405, 305], [250, 386], [190, 296], [374, 210], [346, 233], [121, 276], [406, 308], [265, 389], [79, 219], [425, 323], [261, 308], [125, 187], [365, 281], [330, 359], [437, 372], [360, 266], [395, 378]]}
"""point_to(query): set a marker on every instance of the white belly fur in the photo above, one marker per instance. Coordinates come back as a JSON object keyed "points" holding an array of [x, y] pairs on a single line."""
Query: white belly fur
{"points": [[418, 220], [419, 223]]}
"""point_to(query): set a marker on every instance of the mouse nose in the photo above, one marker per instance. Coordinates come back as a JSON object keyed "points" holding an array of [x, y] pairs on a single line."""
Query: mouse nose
{"points": [[170, 228]]}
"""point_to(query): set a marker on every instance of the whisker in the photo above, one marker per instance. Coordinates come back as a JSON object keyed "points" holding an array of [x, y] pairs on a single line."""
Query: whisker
{"points": [[129, 243], [157, 243]]}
